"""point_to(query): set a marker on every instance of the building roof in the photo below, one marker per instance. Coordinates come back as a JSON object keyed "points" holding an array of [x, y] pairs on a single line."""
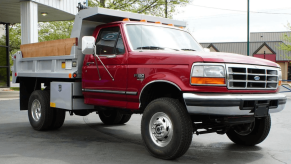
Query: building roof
{"points": [[268, 36], [58, 10], [241, 48]]}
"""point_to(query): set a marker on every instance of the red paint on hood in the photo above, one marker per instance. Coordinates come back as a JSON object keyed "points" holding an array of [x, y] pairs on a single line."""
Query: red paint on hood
{"points": [[183, 57], [221, 57]]}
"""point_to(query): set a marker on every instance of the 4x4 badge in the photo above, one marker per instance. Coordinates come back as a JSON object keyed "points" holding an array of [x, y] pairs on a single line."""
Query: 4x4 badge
{"points": [[139, 76]]}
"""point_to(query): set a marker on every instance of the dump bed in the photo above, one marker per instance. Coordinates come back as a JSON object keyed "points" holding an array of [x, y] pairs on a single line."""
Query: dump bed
{"points": [[63, 58], [59, 47]]}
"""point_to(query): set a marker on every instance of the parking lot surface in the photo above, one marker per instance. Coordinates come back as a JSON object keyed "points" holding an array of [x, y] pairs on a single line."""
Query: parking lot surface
{"points": [[87, 140]]}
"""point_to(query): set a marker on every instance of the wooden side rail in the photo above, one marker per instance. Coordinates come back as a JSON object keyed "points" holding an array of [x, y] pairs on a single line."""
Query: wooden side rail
{"points": [[49, 48]]}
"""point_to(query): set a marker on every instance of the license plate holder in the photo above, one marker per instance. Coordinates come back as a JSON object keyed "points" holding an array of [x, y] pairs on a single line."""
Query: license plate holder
{"points": [[261, 110]]}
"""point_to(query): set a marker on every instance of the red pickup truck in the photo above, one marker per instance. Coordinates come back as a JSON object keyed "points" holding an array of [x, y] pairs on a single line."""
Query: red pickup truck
{"points": [[151, 67]]}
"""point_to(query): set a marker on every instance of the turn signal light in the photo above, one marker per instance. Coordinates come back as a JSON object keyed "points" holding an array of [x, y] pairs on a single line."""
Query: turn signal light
{"points": [[280, 83], [70, 75], [170, 24], [181, 27], [143, 20], [158, 22], [126, 19], [207, 80]]}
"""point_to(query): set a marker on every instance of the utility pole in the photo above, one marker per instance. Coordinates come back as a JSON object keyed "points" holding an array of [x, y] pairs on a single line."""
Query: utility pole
{"points": [[248, 43], [166, 8]]}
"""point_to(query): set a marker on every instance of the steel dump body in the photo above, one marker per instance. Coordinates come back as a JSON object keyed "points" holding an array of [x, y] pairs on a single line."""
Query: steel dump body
{"points": [[45, 66]]}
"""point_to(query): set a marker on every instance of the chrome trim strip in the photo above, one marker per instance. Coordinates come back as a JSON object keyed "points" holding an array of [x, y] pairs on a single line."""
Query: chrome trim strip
{"points": [[103, 91], [219, 96], [229, 110], [109, 91], [233, 110], [155, 82], [131, 93], [225, 111]]}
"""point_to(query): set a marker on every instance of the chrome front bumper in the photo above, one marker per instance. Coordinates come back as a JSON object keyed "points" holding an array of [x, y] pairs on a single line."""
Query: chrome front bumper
{"points": [[232, 104]]}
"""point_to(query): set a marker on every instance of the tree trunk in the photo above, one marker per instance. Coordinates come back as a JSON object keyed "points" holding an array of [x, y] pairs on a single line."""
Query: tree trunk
{"points": [[102, 3], [166, 8]]}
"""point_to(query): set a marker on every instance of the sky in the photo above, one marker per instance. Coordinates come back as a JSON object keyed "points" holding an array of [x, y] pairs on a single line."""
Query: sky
{"points": [[209, 23]]}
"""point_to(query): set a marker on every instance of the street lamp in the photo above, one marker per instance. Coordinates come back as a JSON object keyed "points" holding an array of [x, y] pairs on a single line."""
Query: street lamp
{"points": [[248, 43]]}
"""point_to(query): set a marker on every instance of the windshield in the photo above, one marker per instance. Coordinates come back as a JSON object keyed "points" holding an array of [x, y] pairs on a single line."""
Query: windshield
{"points": [[160, 38]]}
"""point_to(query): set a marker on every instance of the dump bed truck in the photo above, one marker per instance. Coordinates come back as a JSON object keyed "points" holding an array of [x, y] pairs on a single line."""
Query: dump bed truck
{"points": [[118, 64]]}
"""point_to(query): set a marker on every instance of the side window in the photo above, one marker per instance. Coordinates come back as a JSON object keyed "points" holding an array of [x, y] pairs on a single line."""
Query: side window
{"points": [[109, 41]]}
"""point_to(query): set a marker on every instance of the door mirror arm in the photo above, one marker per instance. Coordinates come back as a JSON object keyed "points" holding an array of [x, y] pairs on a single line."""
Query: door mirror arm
{"points": [[101, 63]]}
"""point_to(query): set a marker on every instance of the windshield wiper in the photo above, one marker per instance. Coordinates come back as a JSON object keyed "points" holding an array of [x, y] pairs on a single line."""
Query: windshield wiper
{"points": [[186, 49], [155, 48]]}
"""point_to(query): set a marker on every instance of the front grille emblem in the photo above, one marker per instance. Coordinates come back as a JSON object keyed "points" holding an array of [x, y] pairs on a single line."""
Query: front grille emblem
{"points": [[257, 78]]}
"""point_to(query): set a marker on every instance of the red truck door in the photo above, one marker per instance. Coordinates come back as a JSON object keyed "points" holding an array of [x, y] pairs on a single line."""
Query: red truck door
{"points": [[106, 91]]}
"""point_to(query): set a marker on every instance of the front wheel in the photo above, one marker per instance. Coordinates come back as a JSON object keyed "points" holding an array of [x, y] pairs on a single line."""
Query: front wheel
{"points": [[166, 128], [250, 134]]}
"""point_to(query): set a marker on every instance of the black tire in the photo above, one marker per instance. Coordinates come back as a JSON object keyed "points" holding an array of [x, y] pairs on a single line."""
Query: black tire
{"points": [[45, 118], [125, 118], [110, 117], [178, 143], [58, 119], [259, 133]]}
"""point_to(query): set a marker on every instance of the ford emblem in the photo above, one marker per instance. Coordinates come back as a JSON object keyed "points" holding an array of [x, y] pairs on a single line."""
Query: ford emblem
{"points": [[257, 78]]}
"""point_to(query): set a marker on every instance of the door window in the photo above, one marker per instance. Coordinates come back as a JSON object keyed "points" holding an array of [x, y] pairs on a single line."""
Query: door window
{"points": [[109, 41]]}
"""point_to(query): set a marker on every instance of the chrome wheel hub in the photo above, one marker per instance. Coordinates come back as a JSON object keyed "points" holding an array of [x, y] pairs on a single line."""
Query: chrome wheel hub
{"points": [[161, 129], [36, 110]]}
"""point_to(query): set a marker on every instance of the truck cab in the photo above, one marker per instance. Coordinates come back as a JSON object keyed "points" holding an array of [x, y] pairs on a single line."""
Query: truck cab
{"points": [[123, 63]]}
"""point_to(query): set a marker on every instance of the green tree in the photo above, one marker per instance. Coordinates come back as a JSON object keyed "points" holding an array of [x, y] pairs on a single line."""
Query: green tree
{"points": [[286, 46], [54, 30], [162, 8]]}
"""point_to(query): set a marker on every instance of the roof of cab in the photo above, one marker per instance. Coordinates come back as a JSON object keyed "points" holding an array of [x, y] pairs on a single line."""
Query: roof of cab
{"points": [[107, 15]]}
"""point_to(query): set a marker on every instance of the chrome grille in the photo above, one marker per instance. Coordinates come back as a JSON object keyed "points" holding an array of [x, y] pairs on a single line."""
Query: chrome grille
{"points": [[251, 77]]}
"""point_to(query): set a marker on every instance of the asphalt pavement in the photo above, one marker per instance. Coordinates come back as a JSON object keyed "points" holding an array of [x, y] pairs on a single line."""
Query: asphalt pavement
{"points": [[87, 140]]}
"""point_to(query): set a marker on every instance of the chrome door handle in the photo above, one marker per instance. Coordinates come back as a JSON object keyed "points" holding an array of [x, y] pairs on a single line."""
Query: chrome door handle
{"points": [[88, 63], [111, 56]]}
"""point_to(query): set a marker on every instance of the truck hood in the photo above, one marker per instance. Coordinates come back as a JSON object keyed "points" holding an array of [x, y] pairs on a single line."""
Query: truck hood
{"points": [[220, 57], [183, 57]]}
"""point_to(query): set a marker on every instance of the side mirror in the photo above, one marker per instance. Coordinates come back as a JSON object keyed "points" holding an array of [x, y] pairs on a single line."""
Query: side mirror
{"points": [[88, 45], [206, 49]]}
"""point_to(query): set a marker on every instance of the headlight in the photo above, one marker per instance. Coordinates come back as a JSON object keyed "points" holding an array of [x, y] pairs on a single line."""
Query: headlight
{"points": [[208, 74]]}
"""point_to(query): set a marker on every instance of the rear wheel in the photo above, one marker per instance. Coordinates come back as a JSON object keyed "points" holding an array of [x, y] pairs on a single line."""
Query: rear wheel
{"points": [[251, 134], [58, 119], [110, 117], [166, 128], [39, 113], [125, 118]]}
